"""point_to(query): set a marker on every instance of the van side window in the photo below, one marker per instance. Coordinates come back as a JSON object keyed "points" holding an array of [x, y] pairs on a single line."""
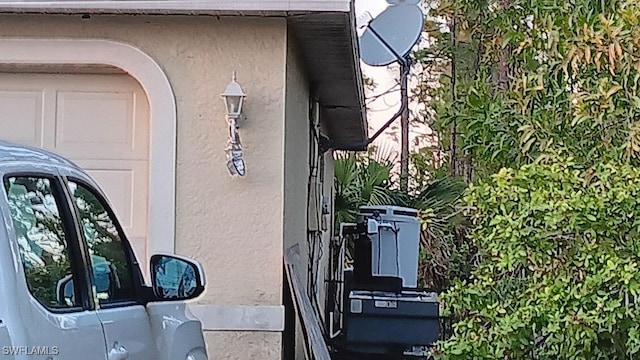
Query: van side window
{"points": [[112, 275], [41, 237]]}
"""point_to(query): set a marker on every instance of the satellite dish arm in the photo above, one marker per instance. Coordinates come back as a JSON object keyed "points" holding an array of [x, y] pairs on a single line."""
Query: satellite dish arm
{"points": [[405, 67], [402, 60]]}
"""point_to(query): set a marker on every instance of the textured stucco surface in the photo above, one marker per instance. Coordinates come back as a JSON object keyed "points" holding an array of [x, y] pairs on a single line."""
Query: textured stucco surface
{"points": [[244, 345], [237, 228], [233, 226], [223, 222], [296, 149]]}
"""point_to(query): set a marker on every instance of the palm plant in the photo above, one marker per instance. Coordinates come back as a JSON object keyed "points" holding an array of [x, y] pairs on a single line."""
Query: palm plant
{"points": [[370, 179], [443, 249], [363, 179]]}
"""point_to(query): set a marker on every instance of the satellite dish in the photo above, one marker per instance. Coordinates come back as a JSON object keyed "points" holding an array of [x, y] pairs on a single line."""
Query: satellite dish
{"points": [[387, 39], [391, 35]]}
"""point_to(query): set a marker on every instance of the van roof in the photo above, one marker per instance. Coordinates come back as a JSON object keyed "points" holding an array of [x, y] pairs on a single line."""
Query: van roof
{"points": [[22, 153]]}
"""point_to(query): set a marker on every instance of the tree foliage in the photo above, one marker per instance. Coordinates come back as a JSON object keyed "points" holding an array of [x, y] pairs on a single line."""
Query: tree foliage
{"points": [[546, 94], [521, 79], [559, 277], [444, 253]]}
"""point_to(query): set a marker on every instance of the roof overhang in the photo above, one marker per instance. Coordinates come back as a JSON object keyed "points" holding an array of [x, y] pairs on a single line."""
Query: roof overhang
{"points": [[324, 30], [215, 7], [329, 47]]}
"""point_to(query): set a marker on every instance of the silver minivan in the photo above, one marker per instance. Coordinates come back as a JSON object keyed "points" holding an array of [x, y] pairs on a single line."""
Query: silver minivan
{"points": [[70, 284]]}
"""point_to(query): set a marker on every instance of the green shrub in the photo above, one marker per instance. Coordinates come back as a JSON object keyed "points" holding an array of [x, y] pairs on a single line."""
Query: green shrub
{"points": [[558, 273]]}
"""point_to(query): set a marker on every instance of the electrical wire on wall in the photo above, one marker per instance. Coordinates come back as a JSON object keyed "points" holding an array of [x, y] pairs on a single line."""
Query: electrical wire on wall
{"points": [[334, 286], [314, 205]]}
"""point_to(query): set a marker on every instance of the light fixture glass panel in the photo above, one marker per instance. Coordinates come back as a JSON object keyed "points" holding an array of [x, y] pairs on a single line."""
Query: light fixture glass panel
{"points": [[239, 165], [234, 105]]}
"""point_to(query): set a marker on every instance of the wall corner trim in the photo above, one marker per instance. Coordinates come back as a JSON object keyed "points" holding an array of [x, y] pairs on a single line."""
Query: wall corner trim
{"points": [[262, 318]]}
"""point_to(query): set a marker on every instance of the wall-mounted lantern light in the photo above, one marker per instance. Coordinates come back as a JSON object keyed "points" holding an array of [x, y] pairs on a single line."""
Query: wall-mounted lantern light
{"points": [[233, 97]]}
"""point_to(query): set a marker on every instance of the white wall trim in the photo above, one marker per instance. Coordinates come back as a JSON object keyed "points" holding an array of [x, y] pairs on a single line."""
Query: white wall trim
{"points": [[162, 156], [268, 318]]}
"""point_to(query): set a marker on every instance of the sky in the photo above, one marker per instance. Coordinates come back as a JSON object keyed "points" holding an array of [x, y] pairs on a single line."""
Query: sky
{"points": [[375, 7], [385, 77]]}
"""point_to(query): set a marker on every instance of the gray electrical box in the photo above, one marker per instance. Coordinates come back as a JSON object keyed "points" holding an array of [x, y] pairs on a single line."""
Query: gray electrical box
{"points": [[396, 246]]}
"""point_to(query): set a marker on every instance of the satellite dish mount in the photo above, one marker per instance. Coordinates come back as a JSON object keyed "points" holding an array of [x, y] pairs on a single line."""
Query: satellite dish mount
{"points": [[387, 39]]}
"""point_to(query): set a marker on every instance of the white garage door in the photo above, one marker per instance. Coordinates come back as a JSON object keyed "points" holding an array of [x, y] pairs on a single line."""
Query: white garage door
{"points": [[101, 122]]}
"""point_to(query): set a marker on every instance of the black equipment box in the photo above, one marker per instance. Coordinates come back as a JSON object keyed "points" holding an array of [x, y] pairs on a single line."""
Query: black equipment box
{"points": [[377, 321]]}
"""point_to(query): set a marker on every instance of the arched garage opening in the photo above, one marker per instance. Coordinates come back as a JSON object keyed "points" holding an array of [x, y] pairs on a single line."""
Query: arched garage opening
{"points": [[108, 106]]}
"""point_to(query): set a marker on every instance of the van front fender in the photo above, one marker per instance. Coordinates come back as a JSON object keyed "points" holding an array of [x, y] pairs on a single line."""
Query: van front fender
{"points": [[177, 333]]}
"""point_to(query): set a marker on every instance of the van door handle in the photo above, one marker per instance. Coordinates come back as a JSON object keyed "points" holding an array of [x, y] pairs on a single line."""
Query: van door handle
{"points": [[118, 352]]}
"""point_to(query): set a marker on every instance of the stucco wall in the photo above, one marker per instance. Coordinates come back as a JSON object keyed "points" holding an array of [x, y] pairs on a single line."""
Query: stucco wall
{"points": [[224, 222], [234, 227], [298, 145], [296, 148], [244, 345]]}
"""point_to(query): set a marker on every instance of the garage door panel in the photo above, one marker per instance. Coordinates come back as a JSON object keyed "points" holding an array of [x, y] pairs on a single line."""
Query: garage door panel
{"points": [[100, 119], [100, 125], [21, 118]]}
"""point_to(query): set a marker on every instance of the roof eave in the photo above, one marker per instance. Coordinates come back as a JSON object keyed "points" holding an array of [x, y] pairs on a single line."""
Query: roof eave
{"points": [[230, 7], [345, 114], [330, 51], [359, 77]]}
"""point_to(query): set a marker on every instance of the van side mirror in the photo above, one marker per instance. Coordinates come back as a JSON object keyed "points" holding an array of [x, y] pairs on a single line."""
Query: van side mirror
{"points": [[176, 278]]}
